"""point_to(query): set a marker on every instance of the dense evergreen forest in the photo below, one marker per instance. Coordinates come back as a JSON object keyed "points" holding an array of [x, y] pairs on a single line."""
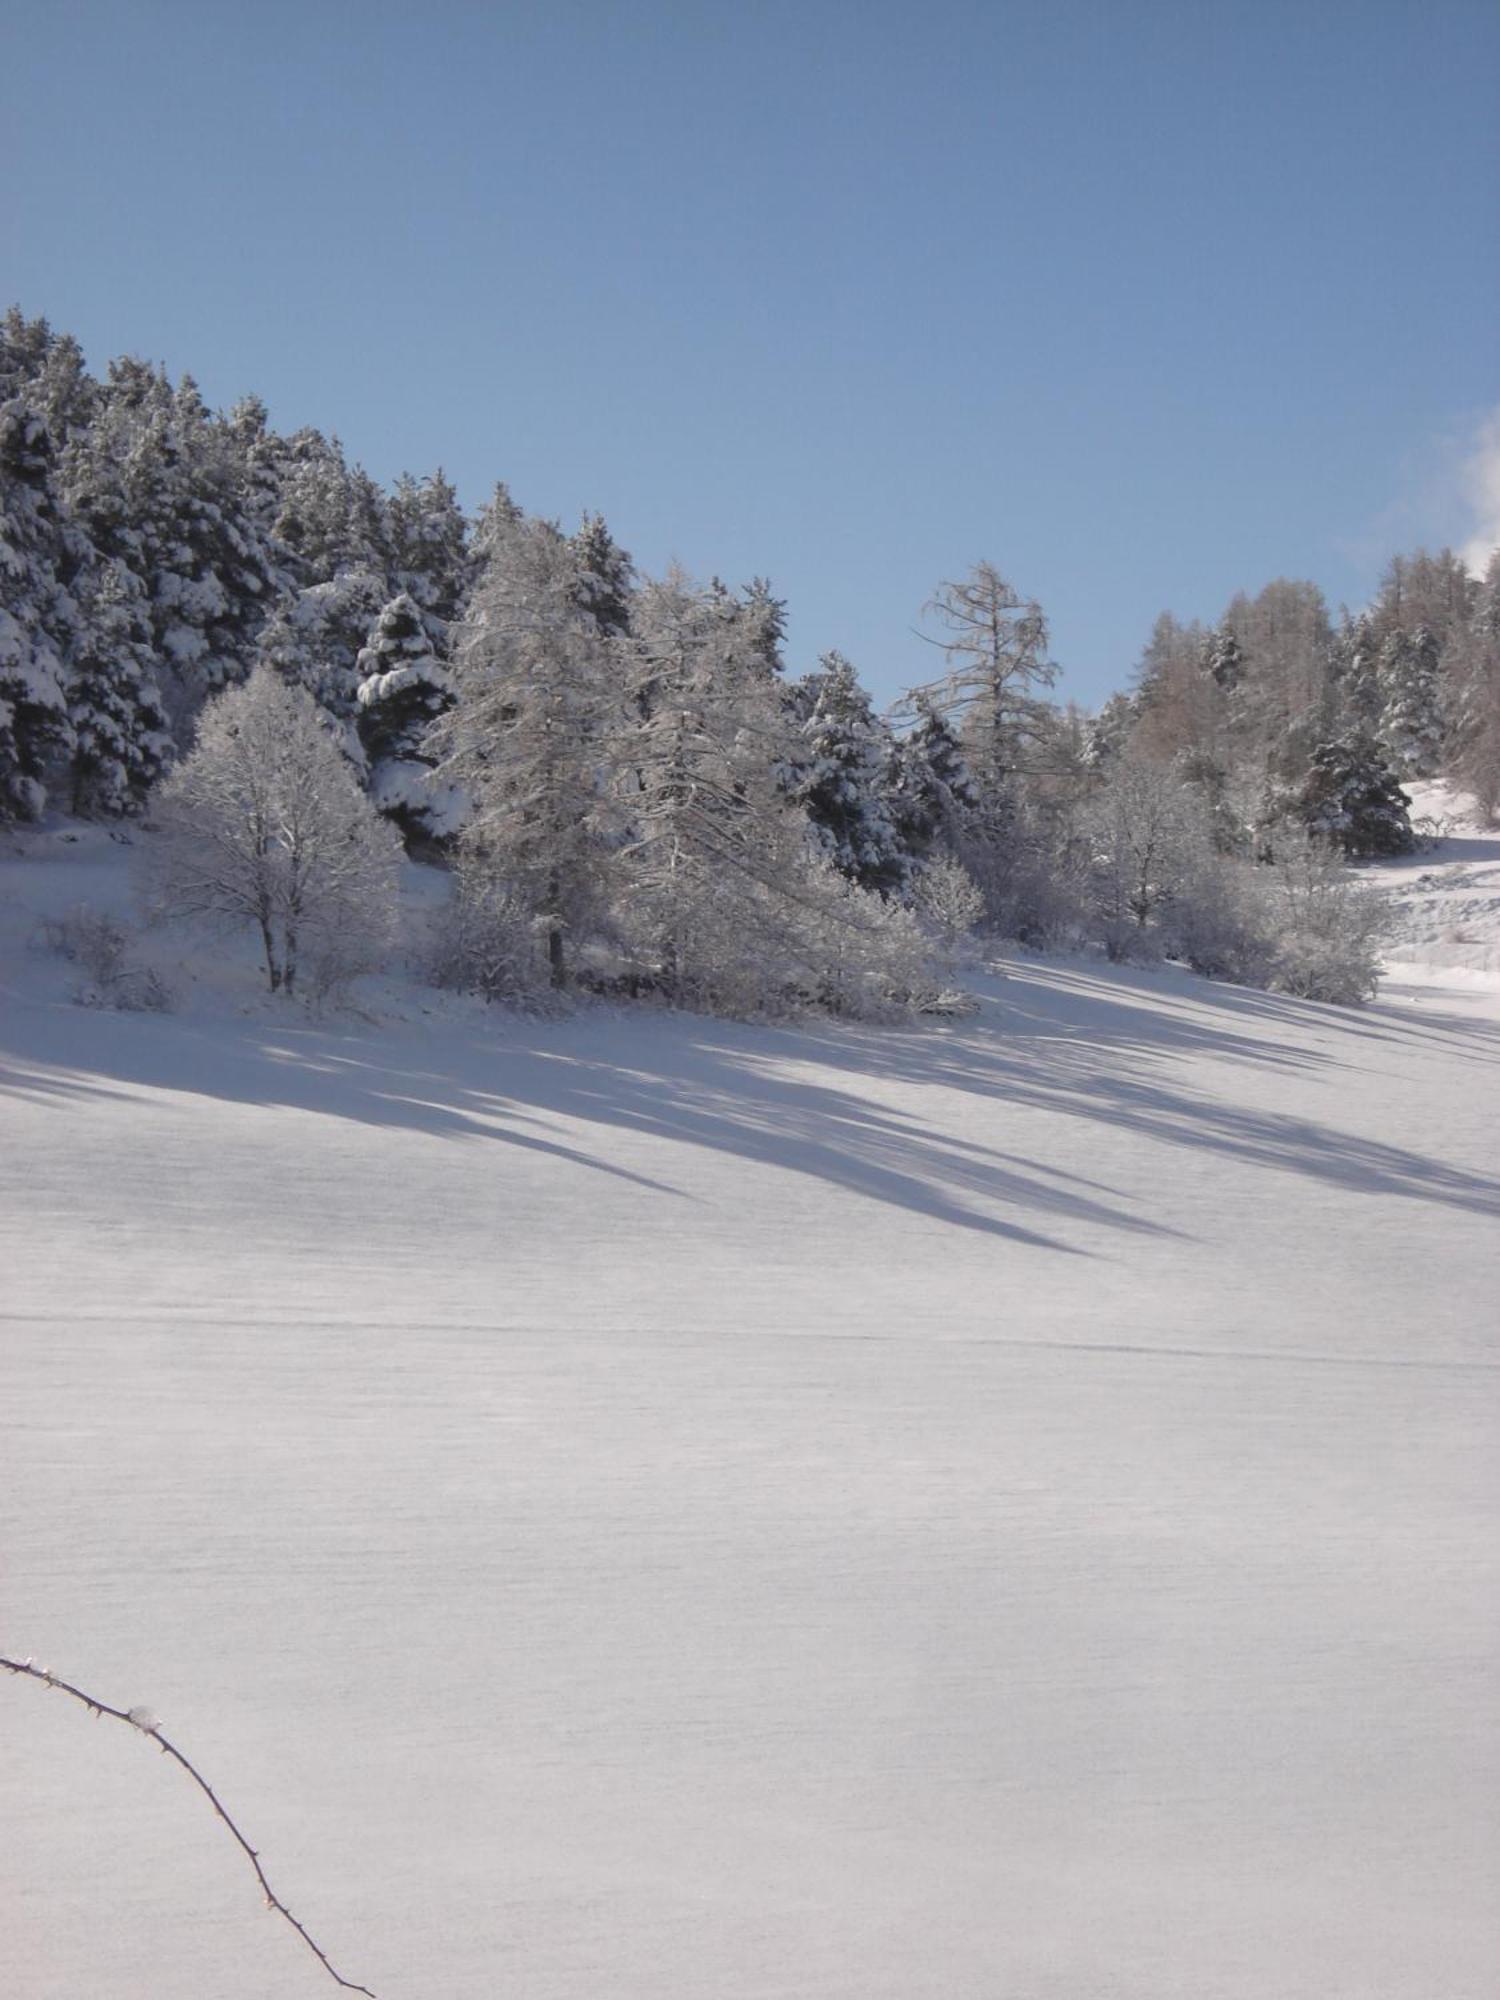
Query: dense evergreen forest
{"points": [[291, 675]]}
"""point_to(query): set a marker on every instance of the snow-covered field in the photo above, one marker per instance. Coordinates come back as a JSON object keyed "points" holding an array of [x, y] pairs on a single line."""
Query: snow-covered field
{"points": [[650, 1508]]}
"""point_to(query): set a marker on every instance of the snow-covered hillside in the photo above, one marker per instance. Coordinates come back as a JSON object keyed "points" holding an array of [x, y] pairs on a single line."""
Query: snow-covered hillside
{"points": [[1447, 898], [643, 1506]]}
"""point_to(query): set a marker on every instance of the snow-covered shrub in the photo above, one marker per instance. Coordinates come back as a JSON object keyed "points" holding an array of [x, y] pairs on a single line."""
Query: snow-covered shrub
{"points": [[803, 939], [1035, 886], [264, 825], [949, 901], [869, 959], [1221, 922], [486, 940], [1327, 927], [86, 937], [1300, 924], [99, 946]]}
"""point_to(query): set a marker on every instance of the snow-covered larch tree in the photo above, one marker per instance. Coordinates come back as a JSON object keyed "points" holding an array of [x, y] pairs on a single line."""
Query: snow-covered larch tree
{"points": [[536, 699], [995, 643], [727, 894], [264, 825], [699, 750]]}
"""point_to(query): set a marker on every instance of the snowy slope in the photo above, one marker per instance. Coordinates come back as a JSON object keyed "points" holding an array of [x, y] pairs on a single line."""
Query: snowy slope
{"points": [[1447, 898], [648, 1507]]}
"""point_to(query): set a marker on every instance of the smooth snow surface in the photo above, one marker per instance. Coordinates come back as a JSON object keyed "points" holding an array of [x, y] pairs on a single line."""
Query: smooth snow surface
{"points": [[649, 1508]]}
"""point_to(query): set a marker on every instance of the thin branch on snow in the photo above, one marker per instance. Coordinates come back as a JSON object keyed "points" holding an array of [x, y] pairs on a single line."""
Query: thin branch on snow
{"points": [[146, 1723]]}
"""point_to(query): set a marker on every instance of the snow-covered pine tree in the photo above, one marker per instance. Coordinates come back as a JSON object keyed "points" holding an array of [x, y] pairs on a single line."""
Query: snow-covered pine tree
{"points": [[1411, 722], [606, 576], [48, 370], [842, 776], [160, 486], [934, 796], [121, 738], [497, 520], [429, 540], [1473, 695], [24, 345], [403, 689], [1352, 798], [315, 639], [38, 617], [333, 517], [536, 702], [759, 618], [1223, 661], [260, 459], [1108, 731], [763, 615], [1356, 672]]}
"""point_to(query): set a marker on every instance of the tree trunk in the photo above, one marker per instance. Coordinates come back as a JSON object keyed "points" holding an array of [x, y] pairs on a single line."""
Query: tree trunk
{"points": [[273, 969], [556, 968]]}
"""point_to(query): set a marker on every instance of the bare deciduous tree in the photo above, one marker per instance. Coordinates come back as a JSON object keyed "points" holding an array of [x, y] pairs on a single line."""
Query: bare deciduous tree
{"points": [[1148, 835]]}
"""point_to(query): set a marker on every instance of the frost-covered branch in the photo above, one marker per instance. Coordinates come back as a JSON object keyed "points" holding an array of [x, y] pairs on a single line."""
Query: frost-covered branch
{"points": [[143, 1720]]}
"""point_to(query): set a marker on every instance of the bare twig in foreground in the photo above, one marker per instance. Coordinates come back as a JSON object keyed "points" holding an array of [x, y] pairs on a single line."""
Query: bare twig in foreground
{"points": [[143, 1720]]}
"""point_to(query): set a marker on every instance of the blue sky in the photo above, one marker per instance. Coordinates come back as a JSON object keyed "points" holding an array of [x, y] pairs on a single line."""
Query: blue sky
{"points": [[1142, 302]]}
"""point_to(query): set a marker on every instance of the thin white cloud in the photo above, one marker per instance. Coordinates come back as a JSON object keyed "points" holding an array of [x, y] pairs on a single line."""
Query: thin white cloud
{"points": [[1482, 494], [1449, 498]]}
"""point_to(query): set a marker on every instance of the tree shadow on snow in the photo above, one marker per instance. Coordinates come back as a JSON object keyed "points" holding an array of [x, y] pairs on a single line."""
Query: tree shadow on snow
{"points": [[1104, 1049], [545, 1088], [842, 1105]]}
